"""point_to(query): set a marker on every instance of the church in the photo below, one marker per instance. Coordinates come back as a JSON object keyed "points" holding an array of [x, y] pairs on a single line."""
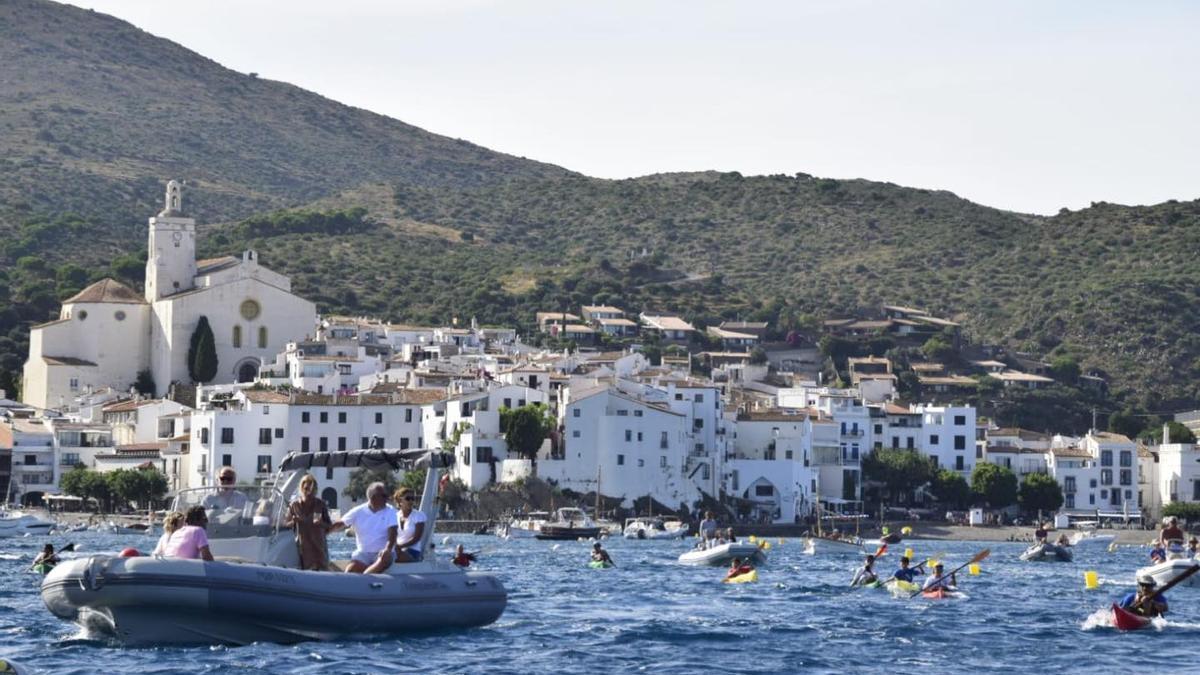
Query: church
{"points": [[107, 333]]}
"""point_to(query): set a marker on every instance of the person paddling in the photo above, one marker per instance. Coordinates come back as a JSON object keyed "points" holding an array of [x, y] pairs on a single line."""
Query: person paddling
{"points": [[1143, 601], [462, 558], [906, 573], [601, 556], [940, 580], [47, 557], [866, 574], [738, 568]]}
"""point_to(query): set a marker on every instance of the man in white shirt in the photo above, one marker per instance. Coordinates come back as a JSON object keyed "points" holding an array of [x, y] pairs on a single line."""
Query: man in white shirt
{"points": [[374, 526]]}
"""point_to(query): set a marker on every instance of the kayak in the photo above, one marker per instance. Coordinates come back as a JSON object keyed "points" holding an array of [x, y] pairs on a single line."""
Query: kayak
{"points": [[1124, 619], [902, 586], [939, 594], [599, 565], [43, 568], [872, 584], [743, 578]]}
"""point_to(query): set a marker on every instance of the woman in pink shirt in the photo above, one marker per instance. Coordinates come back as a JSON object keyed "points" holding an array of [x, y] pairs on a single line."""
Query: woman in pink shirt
{"points": [[190, 541]]}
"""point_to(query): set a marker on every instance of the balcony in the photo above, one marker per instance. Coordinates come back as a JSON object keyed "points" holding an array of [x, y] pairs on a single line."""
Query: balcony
{"points": [[853, 433]]}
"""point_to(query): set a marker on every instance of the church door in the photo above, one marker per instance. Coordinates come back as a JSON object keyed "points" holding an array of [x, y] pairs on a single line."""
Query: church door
{"points": [[247, 372]]}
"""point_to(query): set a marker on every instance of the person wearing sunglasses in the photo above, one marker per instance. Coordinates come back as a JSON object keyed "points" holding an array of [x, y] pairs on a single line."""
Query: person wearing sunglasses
{"points": [[374, 526], [412, 526], [226, 498]]}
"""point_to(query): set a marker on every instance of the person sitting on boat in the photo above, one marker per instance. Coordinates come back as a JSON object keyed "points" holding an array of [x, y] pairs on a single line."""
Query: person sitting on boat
{"points": [[836, 534], [46, 557], [171, 522], [462, 558], [600, 555], [1172, 535], [906, 573], [940, 580], [374, 526], [412, 526], [1193, 547], [190, 541], [738, 568], [1040, 534], [1158, 553], [309, 517], [729, 536], [1139, 602], [1063, 540], [708, 528], [226, 498], [866, 574]]}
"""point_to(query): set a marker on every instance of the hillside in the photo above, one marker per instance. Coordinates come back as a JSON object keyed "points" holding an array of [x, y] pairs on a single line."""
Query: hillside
{"points": [[96, 113]]}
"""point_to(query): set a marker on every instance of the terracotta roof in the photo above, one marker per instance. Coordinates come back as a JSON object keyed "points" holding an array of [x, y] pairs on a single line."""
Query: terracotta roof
{"points": [[905, 310], [140, 447], [616, 322], [578, 328], [667, 322], [726, 334], [927, 367], [214, 264], [127, 405], [1110, 436], [49, 323], [1023, 434], [66, 361], [893, 409], [265, 396], [951, 380], [107, 290], [744, 325], [1071, 452]]}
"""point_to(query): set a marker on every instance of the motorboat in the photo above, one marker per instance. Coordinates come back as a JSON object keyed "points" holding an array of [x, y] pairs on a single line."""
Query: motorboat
{"points": [[723, 554], [19, 524], [1169, 569], [255, 591], [830, 546], [1048, 551], [115, 528], [569, 523], [1092, 538], [524, 527], [653, 527]]}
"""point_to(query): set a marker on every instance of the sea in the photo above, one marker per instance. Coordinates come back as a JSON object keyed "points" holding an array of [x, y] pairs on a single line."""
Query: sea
{"points": [[650, 614]]}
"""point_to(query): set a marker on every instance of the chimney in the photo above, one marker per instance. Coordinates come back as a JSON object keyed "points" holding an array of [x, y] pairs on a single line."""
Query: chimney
{"points": [[1166, 433]]}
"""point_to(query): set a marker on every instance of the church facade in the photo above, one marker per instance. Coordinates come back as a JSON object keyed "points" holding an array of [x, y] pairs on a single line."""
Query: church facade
{"points": [[107, 333]]}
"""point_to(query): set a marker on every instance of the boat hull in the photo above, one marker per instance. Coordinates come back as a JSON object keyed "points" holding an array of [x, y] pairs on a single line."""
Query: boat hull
{"points": [[1166, 571], [1042, 552], [143, 601], [723, 555], [1126, 620], [822, 546], [556, 533]]}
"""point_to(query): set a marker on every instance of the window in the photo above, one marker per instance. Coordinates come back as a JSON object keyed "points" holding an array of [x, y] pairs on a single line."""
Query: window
{"points": [[960, 420], [959, 463], [1126, 458], [698, 398], [68, 459], [1069, 484], [575, 412], [226, 434], [1069, 501], [324, 417], [1106, 458], [1196, 490], [237, 336], [639, 437], [1092, 483], [1106, 476], [266, 409], [575, 434], [278, 433], [960, 442], [323, 444], [407, 416], [622, 413], [628, 435], [1092, 499], [404, 443], [678, 397], [204, 435], [304, 417], [662, 441], [264, 436], [304, 444], [933, 460], [262, 337], [787, 454], [341, 443], [264, 463], [878, 429], [637, 413], [641, 462], [933, 439], [895, 442], [483, 454], [662, 461], [1126, 476], [763, 490], [698, 423], [341, 418], [909, 443], [226, 460], [620, 460], [364, 442]]}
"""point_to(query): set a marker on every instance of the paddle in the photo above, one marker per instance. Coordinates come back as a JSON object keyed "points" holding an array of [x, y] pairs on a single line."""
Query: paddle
{"points": [[66, 549], [936, 556], [978, 557], [1167, 586]]}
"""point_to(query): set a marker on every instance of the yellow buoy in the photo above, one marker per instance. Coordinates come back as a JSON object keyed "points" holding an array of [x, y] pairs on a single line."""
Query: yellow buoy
{"points": [[974, 569], [908, 553], [752, 539], [906, 530], [1091, 580], [781, 541], [766, 545]]}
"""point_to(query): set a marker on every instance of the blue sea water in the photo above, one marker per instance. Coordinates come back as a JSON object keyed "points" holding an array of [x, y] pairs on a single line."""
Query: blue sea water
{"points": [[653, 615]]}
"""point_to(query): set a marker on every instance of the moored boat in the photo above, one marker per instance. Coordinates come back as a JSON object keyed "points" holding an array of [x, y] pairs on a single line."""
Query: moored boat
{"points": [[723, 554], [1092, 538], [254, 591], [19, 524], [524, 527], [827, 545], [569, 524], [1124, 619], [654, 528]]}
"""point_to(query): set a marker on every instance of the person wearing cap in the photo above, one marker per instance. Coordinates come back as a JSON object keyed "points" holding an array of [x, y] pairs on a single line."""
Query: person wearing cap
{"points": [[600, 555], [1143, 601], [865, 574], [1193, 547], [937, 580], [906, 573]]}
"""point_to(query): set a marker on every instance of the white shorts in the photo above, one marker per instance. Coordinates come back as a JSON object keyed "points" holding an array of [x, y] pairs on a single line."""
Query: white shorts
{"points": [[365, 557]]}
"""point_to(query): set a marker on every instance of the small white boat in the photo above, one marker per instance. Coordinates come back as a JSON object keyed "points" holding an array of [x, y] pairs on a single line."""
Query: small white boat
{"points": [[654, 528], [1168, 570], [524, 527], [827, 546], [19, 524], [723, 554], [1048, 551], [1091, 538]]}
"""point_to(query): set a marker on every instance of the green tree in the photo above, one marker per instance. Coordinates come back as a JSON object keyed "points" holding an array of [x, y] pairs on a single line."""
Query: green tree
{"points": [[74, 482], [900, 471], [144, 383], [994, 485], [758, 356], [414, 480], [202, 353], [1065, 369], [951, 489], [525, 428], [362, 477], [1040, 492], [937, 348], [1127, 423], [1176, 433], [1185, 511]]}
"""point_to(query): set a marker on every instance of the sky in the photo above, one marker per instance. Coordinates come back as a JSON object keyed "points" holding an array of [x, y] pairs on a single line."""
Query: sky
{"points": [[1025, 105]]}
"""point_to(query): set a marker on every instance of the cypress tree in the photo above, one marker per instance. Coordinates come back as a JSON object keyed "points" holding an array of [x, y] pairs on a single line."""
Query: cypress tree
{"points": [[202, 353]]}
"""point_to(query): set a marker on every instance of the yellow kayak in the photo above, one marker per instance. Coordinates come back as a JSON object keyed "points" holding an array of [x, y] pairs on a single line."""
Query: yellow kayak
{"points": [[899, 586], [743, 578]]}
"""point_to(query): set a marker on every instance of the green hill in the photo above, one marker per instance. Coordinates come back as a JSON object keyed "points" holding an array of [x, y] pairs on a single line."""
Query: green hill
{"points": [[96, 113]]}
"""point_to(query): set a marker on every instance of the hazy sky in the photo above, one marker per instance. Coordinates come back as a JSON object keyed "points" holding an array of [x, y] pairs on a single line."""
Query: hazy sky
{"points": [[1025, 105]]}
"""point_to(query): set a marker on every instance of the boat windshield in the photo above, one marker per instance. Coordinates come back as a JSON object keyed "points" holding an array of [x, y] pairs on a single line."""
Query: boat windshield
{"points": [[235, 513]]}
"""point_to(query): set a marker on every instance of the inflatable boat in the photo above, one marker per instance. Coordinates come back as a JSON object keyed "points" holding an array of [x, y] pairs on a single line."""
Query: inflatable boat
{"points": [[254, 590], [1168, 570], [723, 554], [1048, 551]]}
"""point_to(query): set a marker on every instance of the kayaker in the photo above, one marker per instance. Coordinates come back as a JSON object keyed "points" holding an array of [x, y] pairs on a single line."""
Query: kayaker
{"points": [[708, 528], [865, 574], [738, 568], [46, 557], [906, 573], [1172, 535], [938, 580], [462, 558], [1140, 602], [600, 555]]}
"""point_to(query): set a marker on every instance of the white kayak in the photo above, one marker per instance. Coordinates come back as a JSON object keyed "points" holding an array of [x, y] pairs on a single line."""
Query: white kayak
{"points": [[723, 554]]}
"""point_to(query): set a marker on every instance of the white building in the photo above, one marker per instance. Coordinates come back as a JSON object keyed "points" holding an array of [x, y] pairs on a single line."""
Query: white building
{"points": [[1117, 459], [1078, 474], [106, 334], [771, 465], [1173, 475], [948, 436]]}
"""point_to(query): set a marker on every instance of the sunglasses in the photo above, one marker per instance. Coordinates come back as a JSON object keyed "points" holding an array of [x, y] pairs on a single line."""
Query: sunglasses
{"points": [[227, 479], [408, 498]]}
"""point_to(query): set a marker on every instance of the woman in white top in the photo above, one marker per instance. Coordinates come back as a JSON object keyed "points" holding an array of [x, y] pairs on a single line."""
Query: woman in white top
{"points": [[412, 527], [374, 526]]}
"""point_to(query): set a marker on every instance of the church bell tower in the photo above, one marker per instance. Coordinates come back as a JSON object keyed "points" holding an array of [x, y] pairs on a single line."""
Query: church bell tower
{"points": [[171, 250]]}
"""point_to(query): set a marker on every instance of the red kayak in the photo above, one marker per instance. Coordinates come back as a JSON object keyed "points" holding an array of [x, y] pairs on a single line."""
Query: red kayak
{"points": [[1124, 619], [937, 594]]}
